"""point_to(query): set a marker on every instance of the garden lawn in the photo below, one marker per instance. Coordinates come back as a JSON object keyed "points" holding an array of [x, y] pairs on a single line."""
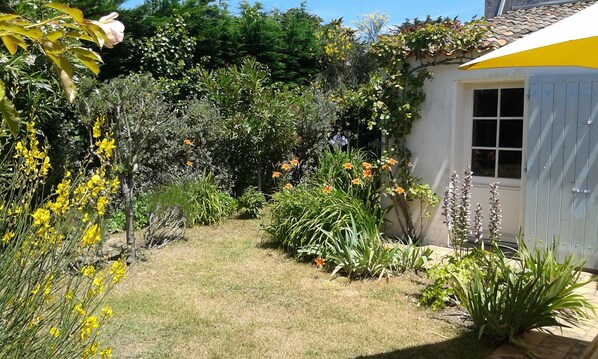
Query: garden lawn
{"points": [[226, 294]]}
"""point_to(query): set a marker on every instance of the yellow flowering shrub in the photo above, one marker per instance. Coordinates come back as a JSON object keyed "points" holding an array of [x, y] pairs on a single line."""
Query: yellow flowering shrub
{"points": [[43, 241], [52, 277]]}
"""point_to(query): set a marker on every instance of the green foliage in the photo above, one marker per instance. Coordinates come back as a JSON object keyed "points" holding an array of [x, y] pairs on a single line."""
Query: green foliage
{"points": [[137, 111], [530, 291], [115, 222], [185, 146], [441, 292], [304, 217], [259, 120], [168, 56], [200, 200], [251, 202], [362, 254], [333, 170], [315, 118]]}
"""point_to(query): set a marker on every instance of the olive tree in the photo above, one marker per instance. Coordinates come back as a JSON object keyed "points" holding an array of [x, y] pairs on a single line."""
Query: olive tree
{"points": [[135, 109]]}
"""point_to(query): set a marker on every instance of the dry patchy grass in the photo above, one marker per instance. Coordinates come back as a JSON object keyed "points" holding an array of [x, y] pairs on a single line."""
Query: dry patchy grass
{"points": [[223, 295]]}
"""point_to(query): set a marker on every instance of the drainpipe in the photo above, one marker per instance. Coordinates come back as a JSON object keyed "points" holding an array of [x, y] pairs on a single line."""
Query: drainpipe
{"points": [[501, 7]]}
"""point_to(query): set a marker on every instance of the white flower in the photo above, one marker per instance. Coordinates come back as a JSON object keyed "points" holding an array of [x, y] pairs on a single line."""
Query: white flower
{"points": [[114, 30]]}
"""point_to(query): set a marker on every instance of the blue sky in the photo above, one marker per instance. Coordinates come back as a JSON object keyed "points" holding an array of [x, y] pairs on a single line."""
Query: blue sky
{"points": [[351, 10]]}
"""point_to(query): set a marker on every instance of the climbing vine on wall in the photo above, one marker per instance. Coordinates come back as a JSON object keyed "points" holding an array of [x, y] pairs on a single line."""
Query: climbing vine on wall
{"points": [[395, 95]]}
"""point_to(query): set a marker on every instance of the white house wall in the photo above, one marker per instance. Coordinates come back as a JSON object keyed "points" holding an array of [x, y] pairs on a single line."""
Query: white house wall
{"points": [[438, 138]]}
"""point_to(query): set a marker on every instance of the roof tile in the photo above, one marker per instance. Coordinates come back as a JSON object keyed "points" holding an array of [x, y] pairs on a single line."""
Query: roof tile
{"points": [[515, 24]]}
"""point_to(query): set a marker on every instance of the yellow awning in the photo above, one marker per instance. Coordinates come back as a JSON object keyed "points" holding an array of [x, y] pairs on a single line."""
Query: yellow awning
{"points": [[570, 42]]}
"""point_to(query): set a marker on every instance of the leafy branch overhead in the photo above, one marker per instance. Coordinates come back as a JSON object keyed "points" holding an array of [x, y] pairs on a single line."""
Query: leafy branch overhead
{"points": [[59, 39]]}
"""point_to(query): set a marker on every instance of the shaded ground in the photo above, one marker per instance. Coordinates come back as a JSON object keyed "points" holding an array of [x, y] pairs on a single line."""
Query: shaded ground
{"points": [[223, 295]]}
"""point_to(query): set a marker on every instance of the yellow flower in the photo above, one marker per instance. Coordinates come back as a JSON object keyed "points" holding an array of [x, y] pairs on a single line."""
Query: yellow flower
{"points": [[399, 190], [89, 325], [356, 181], [348, 166], [285, 166], [288, 186], [106, 146], [97, 129], [79, 309], [189, 163], [101, 205], [7, 237], [366, 165], [106, 353], [107, 312], [118, 271], [386, 167], [55, 331], [91, 236], [276, 174], [188, 142], [41, 217], [88, 271], [294, 162]]}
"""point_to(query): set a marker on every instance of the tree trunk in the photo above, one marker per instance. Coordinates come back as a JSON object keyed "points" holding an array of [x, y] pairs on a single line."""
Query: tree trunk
{"points": [[126, 183]]}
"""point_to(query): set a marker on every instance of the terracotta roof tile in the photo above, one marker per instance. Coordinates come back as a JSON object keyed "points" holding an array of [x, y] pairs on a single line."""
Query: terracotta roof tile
{"points": [[516, 23]]}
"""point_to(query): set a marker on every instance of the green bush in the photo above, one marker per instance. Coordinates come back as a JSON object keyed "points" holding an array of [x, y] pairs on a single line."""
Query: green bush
{"points": [[530, 291], [361, 254], [333, 169], [304, 217], [251, 203], [200, 199], [116, 221], [441, 292]]}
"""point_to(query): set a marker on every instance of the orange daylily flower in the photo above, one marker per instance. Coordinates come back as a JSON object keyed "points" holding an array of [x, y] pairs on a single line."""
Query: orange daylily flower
{"points": [[386, 167], [392, 161], [399, 190], [276, 174], [348, 166], [327, 189], [189, 163], [294, 162], [288, 186], [367, 173], [366, 165], [320, 262], [356, 181], [285, 166], [188, 142]]}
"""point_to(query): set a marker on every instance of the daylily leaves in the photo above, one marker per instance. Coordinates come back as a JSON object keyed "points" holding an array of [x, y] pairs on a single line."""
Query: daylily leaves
{"points": [[76, 14]]}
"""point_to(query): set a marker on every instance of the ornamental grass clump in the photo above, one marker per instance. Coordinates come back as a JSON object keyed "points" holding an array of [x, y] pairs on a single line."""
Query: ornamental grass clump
{"points": [[251, 202], [303, 217], [200, 200], [508, 297], [358, 253]]}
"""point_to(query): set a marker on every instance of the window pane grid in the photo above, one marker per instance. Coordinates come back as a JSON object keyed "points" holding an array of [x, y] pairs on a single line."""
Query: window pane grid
{"points": [[493, 159]]}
